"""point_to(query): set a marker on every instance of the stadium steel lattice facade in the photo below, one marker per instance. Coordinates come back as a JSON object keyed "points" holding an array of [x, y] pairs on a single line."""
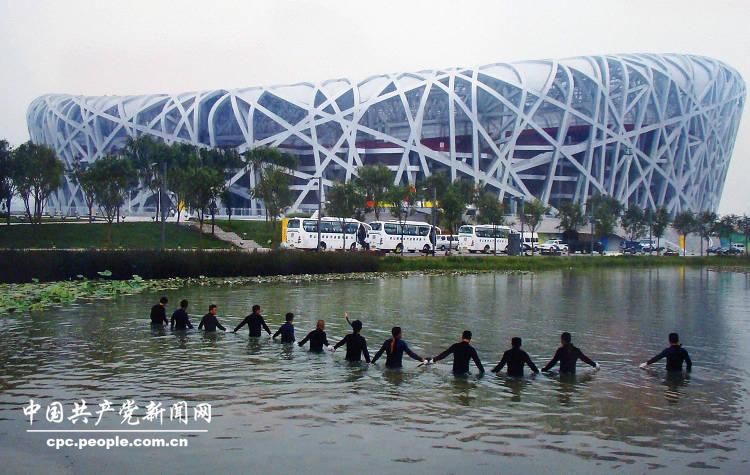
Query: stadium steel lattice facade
{"points": [[648, 129]]}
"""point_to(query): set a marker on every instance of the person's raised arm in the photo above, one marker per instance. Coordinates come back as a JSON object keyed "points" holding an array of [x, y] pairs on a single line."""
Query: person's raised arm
{"points": [[530, 363], [500, 365], [380, 351], [242, 323], [477, 361], [346, 316], [553, 361]]}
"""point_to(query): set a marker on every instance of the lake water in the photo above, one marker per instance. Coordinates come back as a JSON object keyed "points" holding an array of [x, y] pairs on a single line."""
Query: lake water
{"points": [[279, 409]]}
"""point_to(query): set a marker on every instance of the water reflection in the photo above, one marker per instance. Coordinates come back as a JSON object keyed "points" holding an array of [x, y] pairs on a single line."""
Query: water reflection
{"points": [[272, 395]]}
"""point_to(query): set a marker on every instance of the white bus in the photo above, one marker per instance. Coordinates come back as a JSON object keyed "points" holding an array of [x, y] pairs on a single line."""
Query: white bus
{"points": [[480, 238], [302, 233], [417, 236]]}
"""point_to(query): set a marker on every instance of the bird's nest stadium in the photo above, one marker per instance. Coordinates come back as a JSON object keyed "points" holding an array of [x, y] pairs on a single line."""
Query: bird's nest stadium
{"points": [[648, 129]]}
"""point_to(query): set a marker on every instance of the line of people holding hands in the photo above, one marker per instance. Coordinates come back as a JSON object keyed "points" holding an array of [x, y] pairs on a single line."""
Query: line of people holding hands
{"points": [[567, 355]]}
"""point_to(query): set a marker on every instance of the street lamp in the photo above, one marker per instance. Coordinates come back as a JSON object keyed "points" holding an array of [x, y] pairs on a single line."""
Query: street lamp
{"points": [[162, 200], [320, 206]]}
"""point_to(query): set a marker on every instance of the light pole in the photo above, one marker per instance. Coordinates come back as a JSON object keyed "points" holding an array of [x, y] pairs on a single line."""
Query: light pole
{"points": [[591, 222], [162, 192], [320, 206], [523, 240]]}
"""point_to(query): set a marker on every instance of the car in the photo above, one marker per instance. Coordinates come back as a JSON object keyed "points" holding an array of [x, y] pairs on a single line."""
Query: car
{"points": [[670, 252], [713, 250], [553, 247], [730, 251], [447, 242]]}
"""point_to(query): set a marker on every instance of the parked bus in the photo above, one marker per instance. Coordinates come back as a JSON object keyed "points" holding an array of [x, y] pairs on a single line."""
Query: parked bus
{"points": [[417, 236], [302, 233], [480, 238]]}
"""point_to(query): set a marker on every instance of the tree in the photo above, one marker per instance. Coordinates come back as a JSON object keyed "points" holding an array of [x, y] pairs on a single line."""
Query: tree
{"points": [[604, 212], [112, 176], [685, 223], [226, 200], [273, 184], [8, 172], [533, 214], [726, 226], [490, 210], [660, 221], [743, 225], [39, 173], [344, 201], [86, 180], [433, 189], [183, 160], [401, 199], [453, 206], [572, 218], [706, 224], [148, 156], [633, 221], [207, 185], [375, 181], [274, 190]]}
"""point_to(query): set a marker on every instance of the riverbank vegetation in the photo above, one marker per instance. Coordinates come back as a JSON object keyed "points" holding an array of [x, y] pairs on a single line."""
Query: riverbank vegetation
{"points": [[137, 235]]}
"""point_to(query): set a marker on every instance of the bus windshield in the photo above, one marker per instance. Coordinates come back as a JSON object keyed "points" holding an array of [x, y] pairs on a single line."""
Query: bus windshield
{"points": [[465, 230], [293, 224], [376, 226]]}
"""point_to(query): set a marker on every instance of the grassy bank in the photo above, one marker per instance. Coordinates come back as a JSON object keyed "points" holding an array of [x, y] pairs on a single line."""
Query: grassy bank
{"points": [[258, 231], [87, 236], [541, 263]]}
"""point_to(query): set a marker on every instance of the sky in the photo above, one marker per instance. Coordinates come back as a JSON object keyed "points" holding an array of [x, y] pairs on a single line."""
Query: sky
{"points": [[98, 47]]}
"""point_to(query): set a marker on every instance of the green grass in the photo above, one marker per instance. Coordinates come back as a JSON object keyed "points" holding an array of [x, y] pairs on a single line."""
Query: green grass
{"points": [[258, 231], [540, 263], [86, 236]]}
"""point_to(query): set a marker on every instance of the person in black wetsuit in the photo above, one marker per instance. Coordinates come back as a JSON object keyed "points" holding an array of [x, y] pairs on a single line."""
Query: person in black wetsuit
{"points": [[462, 353], [356, 345], [209, 322], [394, 349], [675, 355], [286, 330], [317, 338], [159, 313], [180, 319], [254, 323], [515, 358], [568, 355]]}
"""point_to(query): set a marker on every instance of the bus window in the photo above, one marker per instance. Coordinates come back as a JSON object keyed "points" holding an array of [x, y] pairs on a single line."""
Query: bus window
{"points": [[501, 233], [410, 230], [311, 226], [465, 230], [376, 226], [391, 229], [483, 232], [424, 230], [293, 224], [351, 228]]}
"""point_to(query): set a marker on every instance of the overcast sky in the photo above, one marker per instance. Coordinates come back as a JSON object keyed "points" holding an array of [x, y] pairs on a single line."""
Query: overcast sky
{"points": [[150, 46]]}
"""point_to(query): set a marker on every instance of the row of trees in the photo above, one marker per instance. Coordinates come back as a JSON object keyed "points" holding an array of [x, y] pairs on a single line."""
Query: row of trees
{"points": [[184, 176], [604, 212]]}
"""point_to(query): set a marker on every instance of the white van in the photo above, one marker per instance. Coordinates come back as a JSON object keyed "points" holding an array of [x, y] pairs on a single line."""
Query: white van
{"points": [[483, 238], [398, 237]]}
